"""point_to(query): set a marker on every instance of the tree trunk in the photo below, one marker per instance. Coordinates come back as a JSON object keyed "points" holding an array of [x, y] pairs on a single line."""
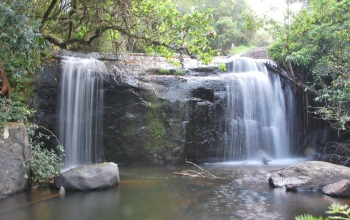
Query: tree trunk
{"points": [[6, 89]]}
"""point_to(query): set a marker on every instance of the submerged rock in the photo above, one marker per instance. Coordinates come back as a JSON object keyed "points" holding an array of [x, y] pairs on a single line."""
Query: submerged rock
{"points": [[338, 189], [311, 175], [14, 153], [85, 178]]}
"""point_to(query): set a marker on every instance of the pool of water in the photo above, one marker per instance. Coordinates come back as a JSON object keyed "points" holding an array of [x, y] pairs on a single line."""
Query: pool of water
{"points": [[156, 193]]}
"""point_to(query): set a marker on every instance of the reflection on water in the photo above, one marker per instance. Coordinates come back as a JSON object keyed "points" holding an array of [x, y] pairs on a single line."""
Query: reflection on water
{"points": [[154, 193]]}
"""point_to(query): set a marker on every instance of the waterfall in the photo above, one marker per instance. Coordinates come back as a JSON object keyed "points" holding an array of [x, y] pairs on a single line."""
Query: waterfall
{"points": [[81, 110], [258, 115]]}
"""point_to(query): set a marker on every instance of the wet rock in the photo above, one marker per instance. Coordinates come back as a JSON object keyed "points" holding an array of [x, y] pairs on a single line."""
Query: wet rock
{"points": [[265, 160], [14, 153], [311, 175], [338, 189], [146, 120], [92, 177], [46, 99], [148, 115]]}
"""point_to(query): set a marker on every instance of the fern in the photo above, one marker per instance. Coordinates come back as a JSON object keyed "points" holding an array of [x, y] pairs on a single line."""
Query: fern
{"points": [[308, 217], [341, 212]]}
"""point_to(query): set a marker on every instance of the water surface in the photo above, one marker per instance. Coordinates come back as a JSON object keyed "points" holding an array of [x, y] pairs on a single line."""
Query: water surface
{"points": [[155, 193]]}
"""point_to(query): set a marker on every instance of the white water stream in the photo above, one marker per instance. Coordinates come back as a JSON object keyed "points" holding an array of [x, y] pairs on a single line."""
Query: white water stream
{"points": [[257, 123], [81, 110]]}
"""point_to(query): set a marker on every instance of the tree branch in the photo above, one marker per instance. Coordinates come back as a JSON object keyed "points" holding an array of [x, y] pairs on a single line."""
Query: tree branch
{"points": [[294, 79], [48, 11]]}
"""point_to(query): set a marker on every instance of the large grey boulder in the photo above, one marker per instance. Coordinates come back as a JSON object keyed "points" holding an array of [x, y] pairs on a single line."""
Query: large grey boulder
{"points": [[14, 153], [91, 177], [311, 175], [338, 189]]}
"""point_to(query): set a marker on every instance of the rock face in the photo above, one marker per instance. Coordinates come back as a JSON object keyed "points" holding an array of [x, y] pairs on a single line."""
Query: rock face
{"points": [[14, 153], [311, 175], [338, 189], [92, 177], [150, 117], [160, 119]]}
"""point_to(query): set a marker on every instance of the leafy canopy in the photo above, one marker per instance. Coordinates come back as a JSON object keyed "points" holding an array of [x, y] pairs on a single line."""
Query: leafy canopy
{"points": [[153, 25], [235, 23], [21, 44], [22, 49], [315, 48]]}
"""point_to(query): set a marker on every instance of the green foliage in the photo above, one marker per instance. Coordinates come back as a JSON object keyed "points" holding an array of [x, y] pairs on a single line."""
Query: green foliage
{"points": [[44, 163], [13, 111], [176, 72], [175, 62], [308, 217], [338, 212], [235, 23], [180, 72], [315, 48], [162, 71], [21, 44], [222, 67], [156, 127], [154, 26]]}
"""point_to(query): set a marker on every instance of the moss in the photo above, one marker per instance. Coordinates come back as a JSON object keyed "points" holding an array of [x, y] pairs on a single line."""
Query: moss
{"points": [[176, 72], [162, 71], [130, 131], [180, 72], [156, 128]]}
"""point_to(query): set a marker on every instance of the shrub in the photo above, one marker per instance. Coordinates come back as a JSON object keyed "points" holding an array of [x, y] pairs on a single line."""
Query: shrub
{"points": [[44, 163]]}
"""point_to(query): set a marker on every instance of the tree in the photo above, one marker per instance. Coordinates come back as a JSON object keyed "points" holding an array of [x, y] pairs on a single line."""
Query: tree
{"points": [[235, 23], [156, 26], [316, 52], [21, 46]]}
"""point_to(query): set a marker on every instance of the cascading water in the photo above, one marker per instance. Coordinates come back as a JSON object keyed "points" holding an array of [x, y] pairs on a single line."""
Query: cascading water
{"points": [[257, 123], [81, 110]]}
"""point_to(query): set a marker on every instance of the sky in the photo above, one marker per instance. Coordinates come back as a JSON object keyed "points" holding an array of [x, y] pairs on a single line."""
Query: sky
{"points": [[261, 7]]}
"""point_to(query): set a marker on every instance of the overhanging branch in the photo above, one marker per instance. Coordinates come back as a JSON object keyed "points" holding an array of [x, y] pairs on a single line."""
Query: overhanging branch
{"points": [[294, 80]]}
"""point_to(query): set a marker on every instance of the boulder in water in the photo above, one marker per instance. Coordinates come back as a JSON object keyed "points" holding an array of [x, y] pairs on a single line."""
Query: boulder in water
{"points": [[311, 175], [338, 189], [92, 177]]}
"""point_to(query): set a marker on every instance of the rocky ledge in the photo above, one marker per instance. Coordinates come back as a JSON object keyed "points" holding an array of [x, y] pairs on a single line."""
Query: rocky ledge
{"points": [[314, 176], [92, 177]]}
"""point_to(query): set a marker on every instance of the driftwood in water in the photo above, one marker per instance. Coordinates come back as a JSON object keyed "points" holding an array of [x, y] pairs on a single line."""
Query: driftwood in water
{"points": [[194, 173]]}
